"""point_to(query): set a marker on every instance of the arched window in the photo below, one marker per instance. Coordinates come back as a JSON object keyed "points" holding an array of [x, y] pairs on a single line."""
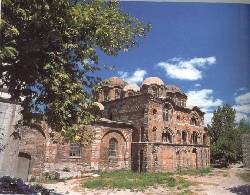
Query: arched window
{"points": [[113, 143], [130, 93], [154, 91], [204, 139], [166, 136], [195, 137], [74, 149], [166, 112], [106, 93], [117, 93], [142, 135], [184, 137], [193, 121]]}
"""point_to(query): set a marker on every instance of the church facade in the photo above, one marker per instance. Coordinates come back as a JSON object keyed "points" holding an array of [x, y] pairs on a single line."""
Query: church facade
{"points": [[167, 134], [147, 128]]}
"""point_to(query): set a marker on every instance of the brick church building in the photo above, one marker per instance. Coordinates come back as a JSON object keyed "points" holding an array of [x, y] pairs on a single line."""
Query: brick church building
{"points": [[147, 128]]}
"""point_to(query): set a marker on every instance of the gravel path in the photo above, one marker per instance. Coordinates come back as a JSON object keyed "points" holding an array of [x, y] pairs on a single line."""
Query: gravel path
{"points": [[219, 182]]}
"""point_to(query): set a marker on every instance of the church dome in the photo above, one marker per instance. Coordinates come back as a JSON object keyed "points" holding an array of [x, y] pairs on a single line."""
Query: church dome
{"points": [[132, 87], [173, 89], [153, 80], [99, 105], [116, 81]]}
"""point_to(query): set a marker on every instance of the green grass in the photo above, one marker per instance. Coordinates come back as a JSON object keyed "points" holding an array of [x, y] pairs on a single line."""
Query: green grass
{"points": [[135, 181], [244, 176], [47, 181], [198, 172]]}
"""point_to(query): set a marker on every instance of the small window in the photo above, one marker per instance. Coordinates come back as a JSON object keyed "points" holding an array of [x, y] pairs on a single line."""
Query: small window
{"points": [[184, 137], [195, 137], [117, 93], [154, 111], [113, 143], [142, 135], [166, 137], [106, 98], [75, 149], [204, 139], [178, 118], [193, 121], [166, 112], [130, 93], [154, 91]]}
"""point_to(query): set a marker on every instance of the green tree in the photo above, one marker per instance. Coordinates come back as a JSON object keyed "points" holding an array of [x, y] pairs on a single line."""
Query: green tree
{"points": [[242, 128], [225, 134], [49, 53], [222, 133]]}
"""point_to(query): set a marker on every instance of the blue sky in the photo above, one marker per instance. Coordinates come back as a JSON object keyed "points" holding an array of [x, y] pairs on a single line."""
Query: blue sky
{"points": [[202, 48]]}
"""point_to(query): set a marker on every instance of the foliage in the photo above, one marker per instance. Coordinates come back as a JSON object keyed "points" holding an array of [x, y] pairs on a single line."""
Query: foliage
{"points": [[49, 55], [135, 180], [226, 135], [198, 171], [10, 185]]}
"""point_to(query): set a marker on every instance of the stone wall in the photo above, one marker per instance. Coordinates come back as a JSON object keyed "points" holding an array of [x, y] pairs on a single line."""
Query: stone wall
{"points": [[246, 150], [9, 137]]}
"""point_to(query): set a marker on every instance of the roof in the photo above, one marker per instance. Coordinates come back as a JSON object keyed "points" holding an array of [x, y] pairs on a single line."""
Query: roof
{"points": [[115, 81], [153, 80], [132, 86], [174, 89]]}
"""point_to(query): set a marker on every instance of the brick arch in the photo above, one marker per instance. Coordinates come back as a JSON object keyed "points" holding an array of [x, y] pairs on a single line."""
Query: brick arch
{"points": [[116, 131], [107, 162]]}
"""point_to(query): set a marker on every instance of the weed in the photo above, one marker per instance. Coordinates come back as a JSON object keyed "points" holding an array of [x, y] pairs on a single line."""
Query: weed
{"points": [[199, 171]]}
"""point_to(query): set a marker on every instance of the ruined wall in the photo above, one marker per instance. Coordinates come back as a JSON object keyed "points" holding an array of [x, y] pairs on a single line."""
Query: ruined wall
{"points": [[32, 143], [9, 137], [246, 150]]}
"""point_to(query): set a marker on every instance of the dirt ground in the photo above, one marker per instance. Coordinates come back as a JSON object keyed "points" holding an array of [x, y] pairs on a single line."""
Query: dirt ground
{"points": [[218, 182]]}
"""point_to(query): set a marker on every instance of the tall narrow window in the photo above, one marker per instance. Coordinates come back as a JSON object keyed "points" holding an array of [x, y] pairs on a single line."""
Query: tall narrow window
{"points": [[184, 137], [142, 134], [75, 149], [113, 147], [106, 98], [193, 121], [117, 93], [166, 136], [154, 91], [195, 137], [166, 112], [204, 139]]}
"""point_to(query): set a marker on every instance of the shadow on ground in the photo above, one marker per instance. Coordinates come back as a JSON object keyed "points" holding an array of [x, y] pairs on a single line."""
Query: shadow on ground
{"points": [[241, 190]]}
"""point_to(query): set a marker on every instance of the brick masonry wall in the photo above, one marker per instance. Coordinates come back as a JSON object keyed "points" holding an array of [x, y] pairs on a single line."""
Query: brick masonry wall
{"points": [[50, 153], [246, 150], [146, 114]]}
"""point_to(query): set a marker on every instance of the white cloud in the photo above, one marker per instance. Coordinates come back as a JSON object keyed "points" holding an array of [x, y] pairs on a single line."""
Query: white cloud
{"points": [[242, 106], [243, 99], [245, 108], [203, 99], [136, 77], [197, 85], [186, 69], [208, 118]]}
